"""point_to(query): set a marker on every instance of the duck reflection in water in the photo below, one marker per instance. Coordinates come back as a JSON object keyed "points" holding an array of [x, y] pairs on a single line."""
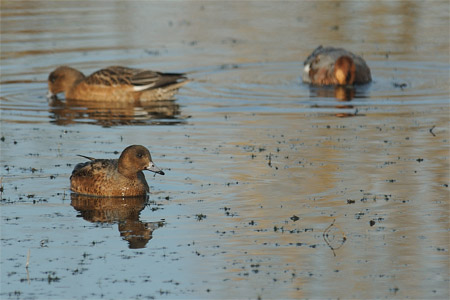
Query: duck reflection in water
{"points": [[165, 112], [343, 94], [123, 211]]}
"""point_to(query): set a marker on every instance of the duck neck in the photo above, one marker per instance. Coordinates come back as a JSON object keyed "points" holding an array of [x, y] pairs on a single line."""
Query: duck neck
{"points": [[72, 78]]}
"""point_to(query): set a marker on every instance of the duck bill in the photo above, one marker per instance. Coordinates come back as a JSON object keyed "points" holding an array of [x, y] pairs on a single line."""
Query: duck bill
{"points": [[50, 95], [153, 168]]}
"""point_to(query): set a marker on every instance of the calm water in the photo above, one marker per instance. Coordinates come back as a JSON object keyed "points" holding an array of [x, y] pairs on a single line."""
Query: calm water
{"points": [[272, 190]]}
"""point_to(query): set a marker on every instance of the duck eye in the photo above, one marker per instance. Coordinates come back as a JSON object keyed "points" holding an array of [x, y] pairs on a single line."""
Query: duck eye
{"points": [[139, 155], [52, 78], [349, 76]]}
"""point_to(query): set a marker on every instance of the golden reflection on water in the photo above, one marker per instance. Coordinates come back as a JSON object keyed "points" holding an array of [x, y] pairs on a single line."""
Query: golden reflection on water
{"points": [[316, 169], [380, 175]]}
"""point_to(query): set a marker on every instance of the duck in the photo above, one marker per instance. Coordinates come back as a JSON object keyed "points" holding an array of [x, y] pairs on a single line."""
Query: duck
{"points": [[335, 66], [114, 83], [122, 177]]}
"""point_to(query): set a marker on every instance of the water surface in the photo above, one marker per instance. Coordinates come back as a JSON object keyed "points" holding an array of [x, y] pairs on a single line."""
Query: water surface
{"points": [[273, 189]]}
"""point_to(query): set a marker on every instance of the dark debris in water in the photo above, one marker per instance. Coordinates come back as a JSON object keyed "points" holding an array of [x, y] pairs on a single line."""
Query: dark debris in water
{"points": [[295, 218], [400, 85], [200, 217], [228, 213], [229, 66], [431, 130]]}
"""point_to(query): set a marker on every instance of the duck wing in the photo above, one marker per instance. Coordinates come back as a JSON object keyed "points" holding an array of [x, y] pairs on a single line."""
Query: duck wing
{"points": [[327, 54], [140, 79], [146, 79], [95, 168], [111, 76], [313, 55]]}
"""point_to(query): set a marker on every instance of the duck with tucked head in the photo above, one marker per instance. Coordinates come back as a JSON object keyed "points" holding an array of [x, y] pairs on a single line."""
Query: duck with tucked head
{"points": [[335, 66], [114, 84], [121, 177]]}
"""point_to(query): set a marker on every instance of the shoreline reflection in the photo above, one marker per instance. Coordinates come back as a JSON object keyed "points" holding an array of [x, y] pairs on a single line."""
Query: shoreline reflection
{"points": [[123, 211]]}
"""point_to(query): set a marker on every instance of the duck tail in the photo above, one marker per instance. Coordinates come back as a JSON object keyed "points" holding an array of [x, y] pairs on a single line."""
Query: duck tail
{"points": [[87, 157]]}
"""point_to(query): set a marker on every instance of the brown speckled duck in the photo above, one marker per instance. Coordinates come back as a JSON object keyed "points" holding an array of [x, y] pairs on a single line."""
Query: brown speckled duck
{"points": [[114, 177], [114, 84], [335, 66]]}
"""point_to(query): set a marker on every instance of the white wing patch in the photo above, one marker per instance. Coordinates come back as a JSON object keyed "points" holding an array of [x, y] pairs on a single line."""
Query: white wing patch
{"points": [[307, 68], [138, 88]]}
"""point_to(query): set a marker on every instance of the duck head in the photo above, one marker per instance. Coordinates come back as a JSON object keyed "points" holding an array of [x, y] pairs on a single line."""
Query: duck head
{"points": [[344, 70], [136, 158], [62, 79]]}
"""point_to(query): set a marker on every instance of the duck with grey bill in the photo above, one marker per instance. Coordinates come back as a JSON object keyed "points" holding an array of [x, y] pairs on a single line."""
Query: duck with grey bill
{"points": [[121, 177], [153, 168]]}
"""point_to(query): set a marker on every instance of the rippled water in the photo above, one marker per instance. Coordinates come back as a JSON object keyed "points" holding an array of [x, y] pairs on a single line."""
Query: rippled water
{"points": [[273, 189]]}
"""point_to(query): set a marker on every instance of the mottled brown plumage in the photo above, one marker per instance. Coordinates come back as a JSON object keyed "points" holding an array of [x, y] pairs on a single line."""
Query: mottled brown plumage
{"points": [[114, 177], [335, 66], [115, 84]]}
